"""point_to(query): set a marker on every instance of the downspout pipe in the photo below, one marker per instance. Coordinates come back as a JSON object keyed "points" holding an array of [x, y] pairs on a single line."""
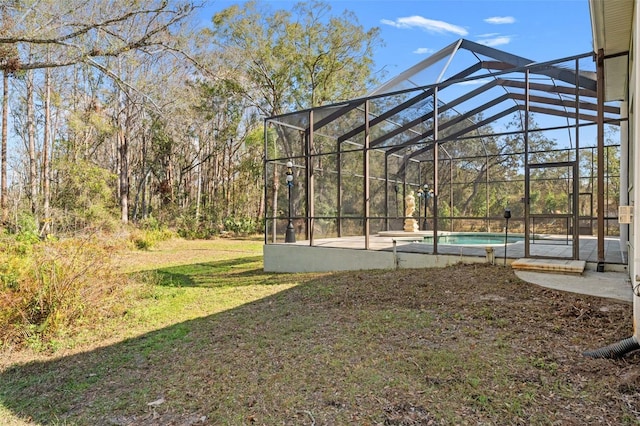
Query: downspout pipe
{"points": [[615, 350]]}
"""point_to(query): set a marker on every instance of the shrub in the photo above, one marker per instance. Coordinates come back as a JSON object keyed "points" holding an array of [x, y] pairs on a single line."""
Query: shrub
{"points": [[203, 227], [48, 291], [241, 225], [149, 233]]}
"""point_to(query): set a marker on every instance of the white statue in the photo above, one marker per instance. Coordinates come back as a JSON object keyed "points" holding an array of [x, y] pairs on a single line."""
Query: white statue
{"points": [[410, 224]]}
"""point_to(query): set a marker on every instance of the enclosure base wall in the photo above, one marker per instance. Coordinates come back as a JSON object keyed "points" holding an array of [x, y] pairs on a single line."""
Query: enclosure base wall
{"points": [[297, 258]]}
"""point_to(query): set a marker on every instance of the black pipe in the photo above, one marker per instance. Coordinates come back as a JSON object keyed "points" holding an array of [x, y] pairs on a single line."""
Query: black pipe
{"points": [[615, 350], [507, 216]]}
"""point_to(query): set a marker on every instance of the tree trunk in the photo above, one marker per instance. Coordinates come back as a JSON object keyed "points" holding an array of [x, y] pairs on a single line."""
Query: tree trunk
{"points": [[31, 138], [3, 154], [143, 185], [198, 191], [124, 176], [46, 190]]}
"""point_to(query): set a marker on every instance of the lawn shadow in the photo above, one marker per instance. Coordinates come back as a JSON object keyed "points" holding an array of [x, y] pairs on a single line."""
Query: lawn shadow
{"points": [[348, 348], [223, 273], [150, 379]]}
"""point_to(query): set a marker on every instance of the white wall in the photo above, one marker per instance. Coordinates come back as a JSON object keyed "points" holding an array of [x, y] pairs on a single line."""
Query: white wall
{"points": [[634, 167], [299, 258]]}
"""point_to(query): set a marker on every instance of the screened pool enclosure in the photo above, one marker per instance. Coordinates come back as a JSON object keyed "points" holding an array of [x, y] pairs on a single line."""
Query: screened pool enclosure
{"points": [[468, 133]]}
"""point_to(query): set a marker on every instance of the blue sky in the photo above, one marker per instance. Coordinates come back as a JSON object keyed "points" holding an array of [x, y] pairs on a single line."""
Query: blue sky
{"points": [[540, 30]]}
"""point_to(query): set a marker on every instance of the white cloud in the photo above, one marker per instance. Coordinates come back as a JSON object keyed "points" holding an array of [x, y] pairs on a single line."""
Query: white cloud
{"points": [[500, 20], [429, 25], [487, 35], [423, 50], [496, 41]]}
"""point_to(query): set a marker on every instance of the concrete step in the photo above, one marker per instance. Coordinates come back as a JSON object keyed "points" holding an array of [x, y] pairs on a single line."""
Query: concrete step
{"points": [[554, 266]]}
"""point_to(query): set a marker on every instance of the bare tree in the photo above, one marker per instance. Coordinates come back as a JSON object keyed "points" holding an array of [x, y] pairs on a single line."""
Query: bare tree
{"points": [[31, 142], [46, 143], [3, 150], [77, 31], [51, 34]]}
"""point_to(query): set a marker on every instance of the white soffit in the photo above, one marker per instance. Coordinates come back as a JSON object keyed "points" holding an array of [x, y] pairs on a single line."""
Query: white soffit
{"points": [[611, 24]]}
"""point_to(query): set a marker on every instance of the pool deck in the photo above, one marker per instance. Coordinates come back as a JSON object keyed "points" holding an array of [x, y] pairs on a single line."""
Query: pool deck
{"points": [[556, 248]]}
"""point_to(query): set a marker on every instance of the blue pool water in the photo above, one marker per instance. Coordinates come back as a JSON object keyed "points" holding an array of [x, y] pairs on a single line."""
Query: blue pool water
{"points": [[471, 239]]}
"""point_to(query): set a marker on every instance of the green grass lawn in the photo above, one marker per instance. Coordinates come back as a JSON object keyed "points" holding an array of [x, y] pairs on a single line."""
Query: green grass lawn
{"points": [[182, 281], [212, 339]]}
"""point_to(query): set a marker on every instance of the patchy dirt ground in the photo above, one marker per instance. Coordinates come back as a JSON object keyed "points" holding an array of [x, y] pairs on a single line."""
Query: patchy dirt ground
{"points": [[469, 344]]}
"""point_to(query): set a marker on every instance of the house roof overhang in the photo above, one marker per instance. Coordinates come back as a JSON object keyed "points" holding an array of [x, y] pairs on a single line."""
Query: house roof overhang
{"points": [[611, 24]]}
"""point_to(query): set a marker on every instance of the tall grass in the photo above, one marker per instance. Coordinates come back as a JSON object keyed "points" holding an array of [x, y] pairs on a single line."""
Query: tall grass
{"points": [[47, 287]]}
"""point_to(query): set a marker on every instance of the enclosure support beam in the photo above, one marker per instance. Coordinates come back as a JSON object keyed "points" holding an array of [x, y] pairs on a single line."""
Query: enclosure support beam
{"points": [[550, 71], [600, 155], [386, 192], [450, 192], [310, 180], [339, 195], [435, 170], [420, 198], [404, 196], [367, 195], [266, 192], [527, 177], [576, 174], [486, 188]]}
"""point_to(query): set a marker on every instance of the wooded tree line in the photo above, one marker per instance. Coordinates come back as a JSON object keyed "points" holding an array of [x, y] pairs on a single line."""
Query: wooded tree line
{"points": [[134, 111]]}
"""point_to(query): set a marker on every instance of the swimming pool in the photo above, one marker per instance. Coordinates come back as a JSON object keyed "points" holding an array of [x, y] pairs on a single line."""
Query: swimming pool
{"points": [[472, 239]]}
